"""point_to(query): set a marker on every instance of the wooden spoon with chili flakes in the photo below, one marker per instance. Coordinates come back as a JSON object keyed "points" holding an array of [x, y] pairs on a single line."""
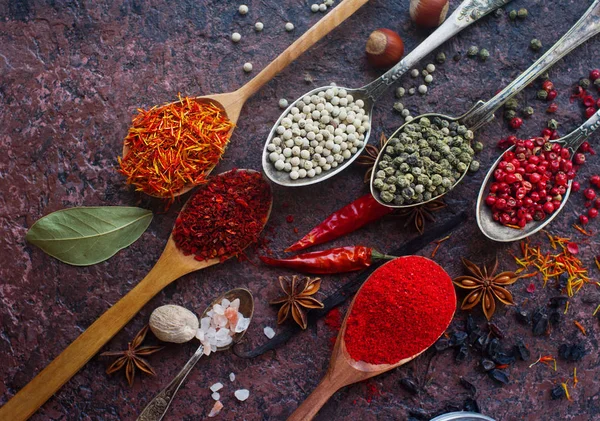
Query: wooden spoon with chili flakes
{"points": [[232, 102], [171, 265], [344, 370]]}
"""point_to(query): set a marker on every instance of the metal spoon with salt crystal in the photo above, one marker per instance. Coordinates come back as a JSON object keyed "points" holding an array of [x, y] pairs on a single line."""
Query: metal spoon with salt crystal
{"points": [[498, 232], [157, 408], [468, 12], [483, 112]]}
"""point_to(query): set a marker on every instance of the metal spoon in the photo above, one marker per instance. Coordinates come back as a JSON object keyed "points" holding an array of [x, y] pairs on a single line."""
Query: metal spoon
{"points": [[157, 408], [498, 232], [483, 112], [467, 13]]}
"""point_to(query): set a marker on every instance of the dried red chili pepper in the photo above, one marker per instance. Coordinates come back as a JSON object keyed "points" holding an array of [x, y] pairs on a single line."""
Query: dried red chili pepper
{"points": [[224, 216], [336, 260], [351, 217]]}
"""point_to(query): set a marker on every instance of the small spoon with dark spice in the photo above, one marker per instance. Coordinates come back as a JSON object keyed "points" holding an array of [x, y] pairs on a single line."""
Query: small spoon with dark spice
{"points": [[214, 225], [428, 156], [493, 229], [157, 407], [400, 311]]}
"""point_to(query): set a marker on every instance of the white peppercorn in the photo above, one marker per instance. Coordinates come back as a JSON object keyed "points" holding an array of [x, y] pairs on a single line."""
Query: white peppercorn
{"points": [[258, 26], [314, 8], [430, 68], [247, 67], [236, 37], [289, 26], [400, 92], [428, 79], [243, 9], [422, 89], [283, 103], [414, 73]]}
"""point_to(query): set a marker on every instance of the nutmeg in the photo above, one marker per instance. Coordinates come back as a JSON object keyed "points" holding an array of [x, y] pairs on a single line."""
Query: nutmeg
{"points": [[384, 48], [428, 13]]}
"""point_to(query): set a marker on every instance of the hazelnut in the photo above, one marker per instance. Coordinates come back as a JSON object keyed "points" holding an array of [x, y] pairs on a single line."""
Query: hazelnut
{"points": [[428, 13], [384, 48]]}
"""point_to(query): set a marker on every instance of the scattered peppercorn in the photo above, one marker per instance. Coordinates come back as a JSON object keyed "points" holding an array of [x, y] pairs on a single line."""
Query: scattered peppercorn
{"points": [[552, 95], [472, 51], [522, 13], [542, 94], [528, 111], [584, 83], [553, 124], [400, 92], [440, 58], [509, 114], [512, 14], [484, 54], [457, 57], [535, 44], [511, 104], [516, 123]]}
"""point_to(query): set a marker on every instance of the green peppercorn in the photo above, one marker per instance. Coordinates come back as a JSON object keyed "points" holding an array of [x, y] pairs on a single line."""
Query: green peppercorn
{"points": [[543, 95], [484, 54], [545, 76], [473, 51], [597, 83], [474, 166], [440, 58], [400, 92], [512, 14], [478, 146], [511, 104], [553, 124], [387, 197], [522, 13], [535, 44], [584, 83], [528, 111], [398, 106], [509, 114]]}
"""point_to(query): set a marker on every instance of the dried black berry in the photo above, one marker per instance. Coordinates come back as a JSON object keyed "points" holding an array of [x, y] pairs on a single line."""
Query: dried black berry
{"points": [[557, 393], [471, 405], [563, 280], [522, 351], [462, 353], [442, 344], [473, 336], [468, 385], [495, 330], [571, 352], [457, 57], [482, 342], [458, 338], [499, 376], [502, 358], [493, 346], [559, 301], [470, 325], [487, 365], [539, 321], [409, 385], [555, 318], [522, 316]]}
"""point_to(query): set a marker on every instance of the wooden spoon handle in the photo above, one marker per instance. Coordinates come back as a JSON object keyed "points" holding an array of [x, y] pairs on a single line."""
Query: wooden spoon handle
{"points": [[315, 401], [334, 18], [82, 349]]}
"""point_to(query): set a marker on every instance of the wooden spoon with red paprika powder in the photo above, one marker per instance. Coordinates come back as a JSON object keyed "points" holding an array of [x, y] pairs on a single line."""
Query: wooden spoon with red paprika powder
{"points": [[230, 210], [400, 311]]}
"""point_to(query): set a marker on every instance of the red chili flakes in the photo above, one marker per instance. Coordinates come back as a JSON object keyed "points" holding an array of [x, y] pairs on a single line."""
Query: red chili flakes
{"points": [[531, 288]]}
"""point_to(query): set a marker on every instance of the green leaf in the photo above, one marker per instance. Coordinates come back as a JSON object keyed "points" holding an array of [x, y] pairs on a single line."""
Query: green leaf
{"points": [[88, 235]]}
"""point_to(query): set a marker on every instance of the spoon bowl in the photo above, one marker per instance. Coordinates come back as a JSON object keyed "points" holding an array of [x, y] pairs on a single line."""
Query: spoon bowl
{"points": [[157, 407], [171, 265]]}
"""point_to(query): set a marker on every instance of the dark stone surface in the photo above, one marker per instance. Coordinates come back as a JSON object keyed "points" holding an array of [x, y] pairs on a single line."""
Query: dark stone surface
{"points": [[72, 75]]}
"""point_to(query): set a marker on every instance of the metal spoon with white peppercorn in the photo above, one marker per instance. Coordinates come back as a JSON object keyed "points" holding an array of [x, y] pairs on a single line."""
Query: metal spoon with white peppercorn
{"points": [[494, 230], [239, 299], [326, 129], [429, 155]]}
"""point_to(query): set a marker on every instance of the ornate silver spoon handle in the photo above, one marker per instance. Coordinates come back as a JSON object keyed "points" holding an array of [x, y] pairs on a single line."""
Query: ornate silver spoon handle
{"points": [[158, 406], [584, 29], [468, 12], [574, 139]]}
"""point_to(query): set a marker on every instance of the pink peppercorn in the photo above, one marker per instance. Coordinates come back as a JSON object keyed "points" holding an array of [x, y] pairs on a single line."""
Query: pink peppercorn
{"points": [[575, 186], [589, 194], [594, 74], [516, 123], [583, 219]]}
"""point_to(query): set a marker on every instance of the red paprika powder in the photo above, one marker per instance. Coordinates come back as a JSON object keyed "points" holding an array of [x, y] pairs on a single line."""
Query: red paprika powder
{"points": [[402, 309], [224, 216]]}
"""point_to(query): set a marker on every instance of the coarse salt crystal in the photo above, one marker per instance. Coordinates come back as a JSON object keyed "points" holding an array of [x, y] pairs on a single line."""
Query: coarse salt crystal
{"points": [[200, 335], [232, 316], [242, 394], [225, 303], [235, 303], [216, 387], [215, 409], [210, 313], [242, 324], [269, 332], [219, 320], [218, 309], [216, 396], [205, 324], [231, 376]]}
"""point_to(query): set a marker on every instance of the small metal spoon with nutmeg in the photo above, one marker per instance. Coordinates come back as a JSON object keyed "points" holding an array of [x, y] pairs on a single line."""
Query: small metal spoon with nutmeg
{"points": [[467, 13]]}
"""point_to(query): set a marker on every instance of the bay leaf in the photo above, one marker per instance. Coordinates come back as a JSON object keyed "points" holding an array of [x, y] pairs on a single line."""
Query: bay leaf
{"points": [[88, 235]]}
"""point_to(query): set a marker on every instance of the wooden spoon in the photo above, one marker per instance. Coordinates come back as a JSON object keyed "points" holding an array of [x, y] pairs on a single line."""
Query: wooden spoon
{"points": [[343, 370], [171, 265], [232, 102]]}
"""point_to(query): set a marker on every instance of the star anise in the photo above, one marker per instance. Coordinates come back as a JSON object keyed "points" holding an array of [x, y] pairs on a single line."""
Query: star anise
{"points": [[485, 287], [369, 156], [419, 215], [132, 357], [297, 298]]}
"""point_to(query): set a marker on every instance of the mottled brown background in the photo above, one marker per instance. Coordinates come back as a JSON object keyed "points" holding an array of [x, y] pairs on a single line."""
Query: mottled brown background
{"points": [[72, 74]]}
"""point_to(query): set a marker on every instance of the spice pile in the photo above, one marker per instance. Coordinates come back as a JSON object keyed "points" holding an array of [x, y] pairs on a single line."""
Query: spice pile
{"points": [[425, 161], [529, 182], [224, 216], [402, 309], [320, 132], [174, 146], [221, 323]]}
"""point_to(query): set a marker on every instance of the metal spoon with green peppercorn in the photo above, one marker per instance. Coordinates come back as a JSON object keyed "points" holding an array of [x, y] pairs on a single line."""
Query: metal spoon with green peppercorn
{"points": [[502, 233], [426, 157], [326, 129]]}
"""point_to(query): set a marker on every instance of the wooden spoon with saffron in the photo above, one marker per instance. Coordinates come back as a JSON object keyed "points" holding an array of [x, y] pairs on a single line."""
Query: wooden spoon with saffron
{"points": [[232, 102], [171, 265], [344, 370]]}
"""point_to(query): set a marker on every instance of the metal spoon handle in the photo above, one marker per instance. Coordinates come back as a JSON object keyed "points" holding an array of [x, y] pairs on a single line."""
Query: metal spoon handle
{"points": [[467, 13], [574, 139], [157, 408], [584, 29]]}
